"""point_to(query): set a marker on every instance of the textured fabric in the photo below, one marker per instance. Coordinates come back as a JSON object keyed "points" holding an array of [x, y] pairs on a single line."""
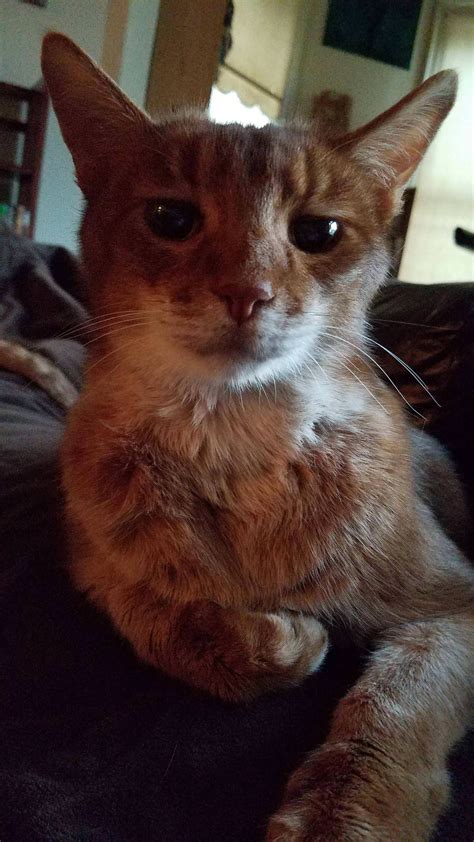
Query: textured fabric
{"points": [[94, 746], [432, 329]]}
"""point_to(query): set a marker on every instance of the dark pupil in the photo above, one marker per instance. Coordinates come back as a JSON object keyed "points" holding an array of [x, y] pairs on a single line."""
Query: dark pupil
{"points": [[314, 234], [173, 220]]}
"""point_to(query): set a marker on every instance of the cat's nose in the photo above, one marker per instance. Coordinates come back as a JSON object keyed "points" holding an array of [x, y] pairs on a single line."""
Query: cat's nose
{"points": [[242, 300]]}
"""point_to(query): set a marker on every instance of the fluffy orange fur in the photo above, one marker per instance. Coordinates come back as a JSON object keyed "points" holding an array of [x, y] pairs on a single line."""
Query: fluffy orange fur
{"points": [[234, 484]]}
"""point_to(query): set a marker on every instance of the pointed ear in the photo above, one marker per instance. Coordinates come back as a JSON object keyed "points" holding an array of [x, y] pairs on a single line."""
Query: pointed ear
{"points": [[392, 145], [97, 121]]}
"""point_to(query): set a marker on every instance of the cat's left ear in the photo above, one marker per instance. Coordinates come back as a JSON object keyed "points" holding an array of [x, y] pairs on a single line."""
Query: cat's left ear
{"points": [[392, 145], [98, 122]]}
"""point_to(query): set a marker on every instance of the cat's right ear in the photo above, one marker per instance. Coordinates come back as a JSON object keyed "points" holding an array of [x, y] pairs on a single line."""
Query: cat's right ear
{"points": [[98, 122], [391, 146]]}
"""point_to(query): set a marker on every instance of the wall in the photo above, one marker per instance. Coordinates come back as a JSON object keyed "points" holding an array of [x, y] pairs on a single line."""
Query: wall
{"points": [[138, 48], [263, 36], [92, 24], [185, 54], [23, 27], [373, 86], [444, 196]]}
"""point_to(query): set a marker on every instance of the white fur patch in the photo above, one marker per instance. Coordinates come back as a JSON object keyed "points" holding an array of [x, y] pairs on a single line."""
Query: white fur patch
{"points": [[291, 822], [289, 646], [294, 637]]}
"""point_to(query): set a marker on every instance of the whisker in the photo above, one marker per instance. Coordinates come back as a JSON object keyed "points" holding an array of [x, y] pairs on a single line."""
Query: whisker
{"points": [[92, 319], [265, 393], [274, 389], [96, 324], [408, 368], [409, 324], [366, 354], [315, 361], [404, 364], [308, 367], [110, 354], [120, 329], [364, 386]]}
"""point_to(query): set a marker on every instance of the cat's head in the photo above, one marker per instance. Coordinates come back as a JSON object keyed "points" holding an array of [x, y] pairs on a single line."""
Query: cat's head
{"points": [[233, 252]]}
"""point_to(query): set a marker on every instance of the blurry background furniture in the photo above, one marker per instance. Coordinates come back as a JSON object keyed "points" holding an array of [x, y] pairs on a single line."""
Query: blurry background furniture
{"points": [[464, 238], [22, 124]]}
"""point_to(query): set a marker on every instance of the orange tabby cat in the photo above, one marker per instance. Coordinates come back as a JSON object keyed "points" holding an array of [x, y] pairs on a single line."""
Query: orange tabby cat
{"points": [[235, 472]]}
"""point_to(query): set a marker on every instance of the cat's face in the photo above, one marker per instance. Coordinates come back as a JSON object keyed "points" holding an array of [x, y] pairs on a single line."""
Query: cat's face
{"points": [[230, 254], [242, 246]]}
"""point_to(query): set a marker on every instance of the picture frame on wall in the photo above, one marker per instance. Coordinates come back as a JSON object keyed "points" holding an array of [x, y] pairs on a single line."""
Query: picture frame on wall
{"points": [[384, 30], [331, 112]]}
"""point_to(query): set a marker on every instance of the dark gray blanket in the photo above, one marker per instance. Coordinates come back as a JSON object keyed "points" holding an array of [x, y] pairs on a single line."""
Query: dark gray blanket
{"points": [[94, 745]]}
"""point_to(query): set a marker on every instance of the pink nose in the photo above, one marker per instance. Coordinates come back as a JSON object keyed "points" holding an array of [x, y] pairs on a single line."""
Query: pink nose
{"points": [[241, 300]]}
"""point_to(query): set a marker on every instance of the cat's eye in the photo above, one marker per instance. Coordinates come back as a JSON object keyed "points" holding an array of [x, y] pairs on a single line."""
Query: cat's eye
{"points": [[314, 234], [172, 219]]}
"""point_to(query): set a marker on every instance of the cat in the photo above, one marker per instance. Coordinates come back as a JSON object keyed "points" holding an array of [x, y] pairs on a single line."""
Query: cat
{"points": [[237, 478]]}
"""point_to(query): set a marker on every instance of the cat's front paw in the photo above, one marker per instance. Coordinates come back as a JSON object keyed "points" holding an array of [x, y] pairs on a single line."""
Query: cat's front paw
{"points": [[248, 653], [354, 792], [303, 822], [281, 650], [300, 644]]}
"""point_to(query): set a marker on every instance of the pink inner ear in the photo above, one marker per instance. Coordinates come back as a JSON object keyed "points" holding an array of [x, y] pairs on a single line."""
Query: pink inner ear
{"points": [[91, 109], [392, 145]]}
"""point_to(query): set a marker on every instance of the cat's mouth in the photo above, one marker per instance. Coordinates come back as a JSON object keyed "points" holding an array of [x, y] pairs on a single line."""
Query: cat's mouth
{"points": [[225, 350], [242, 343]]}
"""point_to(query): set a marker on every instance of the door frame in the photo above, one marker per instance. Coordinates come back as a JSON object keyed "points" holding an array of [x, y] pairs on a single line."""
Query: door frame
{"points": [[442, 9], [185, 55]]}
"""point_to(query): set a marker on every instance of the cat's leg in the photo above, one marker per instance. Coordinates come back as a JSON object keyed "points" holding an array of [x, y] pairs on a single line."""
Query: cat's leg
{"points": [[438, 485], [232, 654], [381, 775]]}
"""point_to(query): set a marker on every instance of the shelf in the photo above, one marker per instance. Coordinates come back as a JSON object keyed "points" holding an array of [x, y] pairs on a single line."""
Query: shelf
{"points": [[23, 116], [15, 169], [15, 92], [12, 125]]}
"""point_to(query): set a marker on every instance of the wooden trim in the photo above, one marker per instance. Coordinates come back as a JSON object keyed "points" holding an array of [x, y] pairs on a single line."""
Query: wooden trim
{"points": [[252, 82], [15, 92], [443, 8], [114, 38], [26, 173], [15, 169], [33, 153], [186, 54], [11, 125]]}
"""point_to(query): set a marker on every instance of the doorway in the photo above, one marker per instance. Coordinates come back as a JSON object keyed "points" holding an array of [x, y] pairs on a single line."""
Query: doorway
{"points": [[444, 196]]}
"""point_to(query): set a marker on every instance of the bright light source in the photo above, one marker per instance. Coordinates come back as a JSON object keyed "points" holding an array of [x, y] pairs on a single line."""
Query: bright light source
{"points": [[229, 108]]}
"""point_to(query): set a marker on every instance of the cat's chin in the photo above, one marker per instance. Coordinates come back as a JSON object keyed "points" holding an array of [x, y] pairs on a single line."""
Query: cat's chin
{"points": [[231, 369], [239, 347], [237, 360]]}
